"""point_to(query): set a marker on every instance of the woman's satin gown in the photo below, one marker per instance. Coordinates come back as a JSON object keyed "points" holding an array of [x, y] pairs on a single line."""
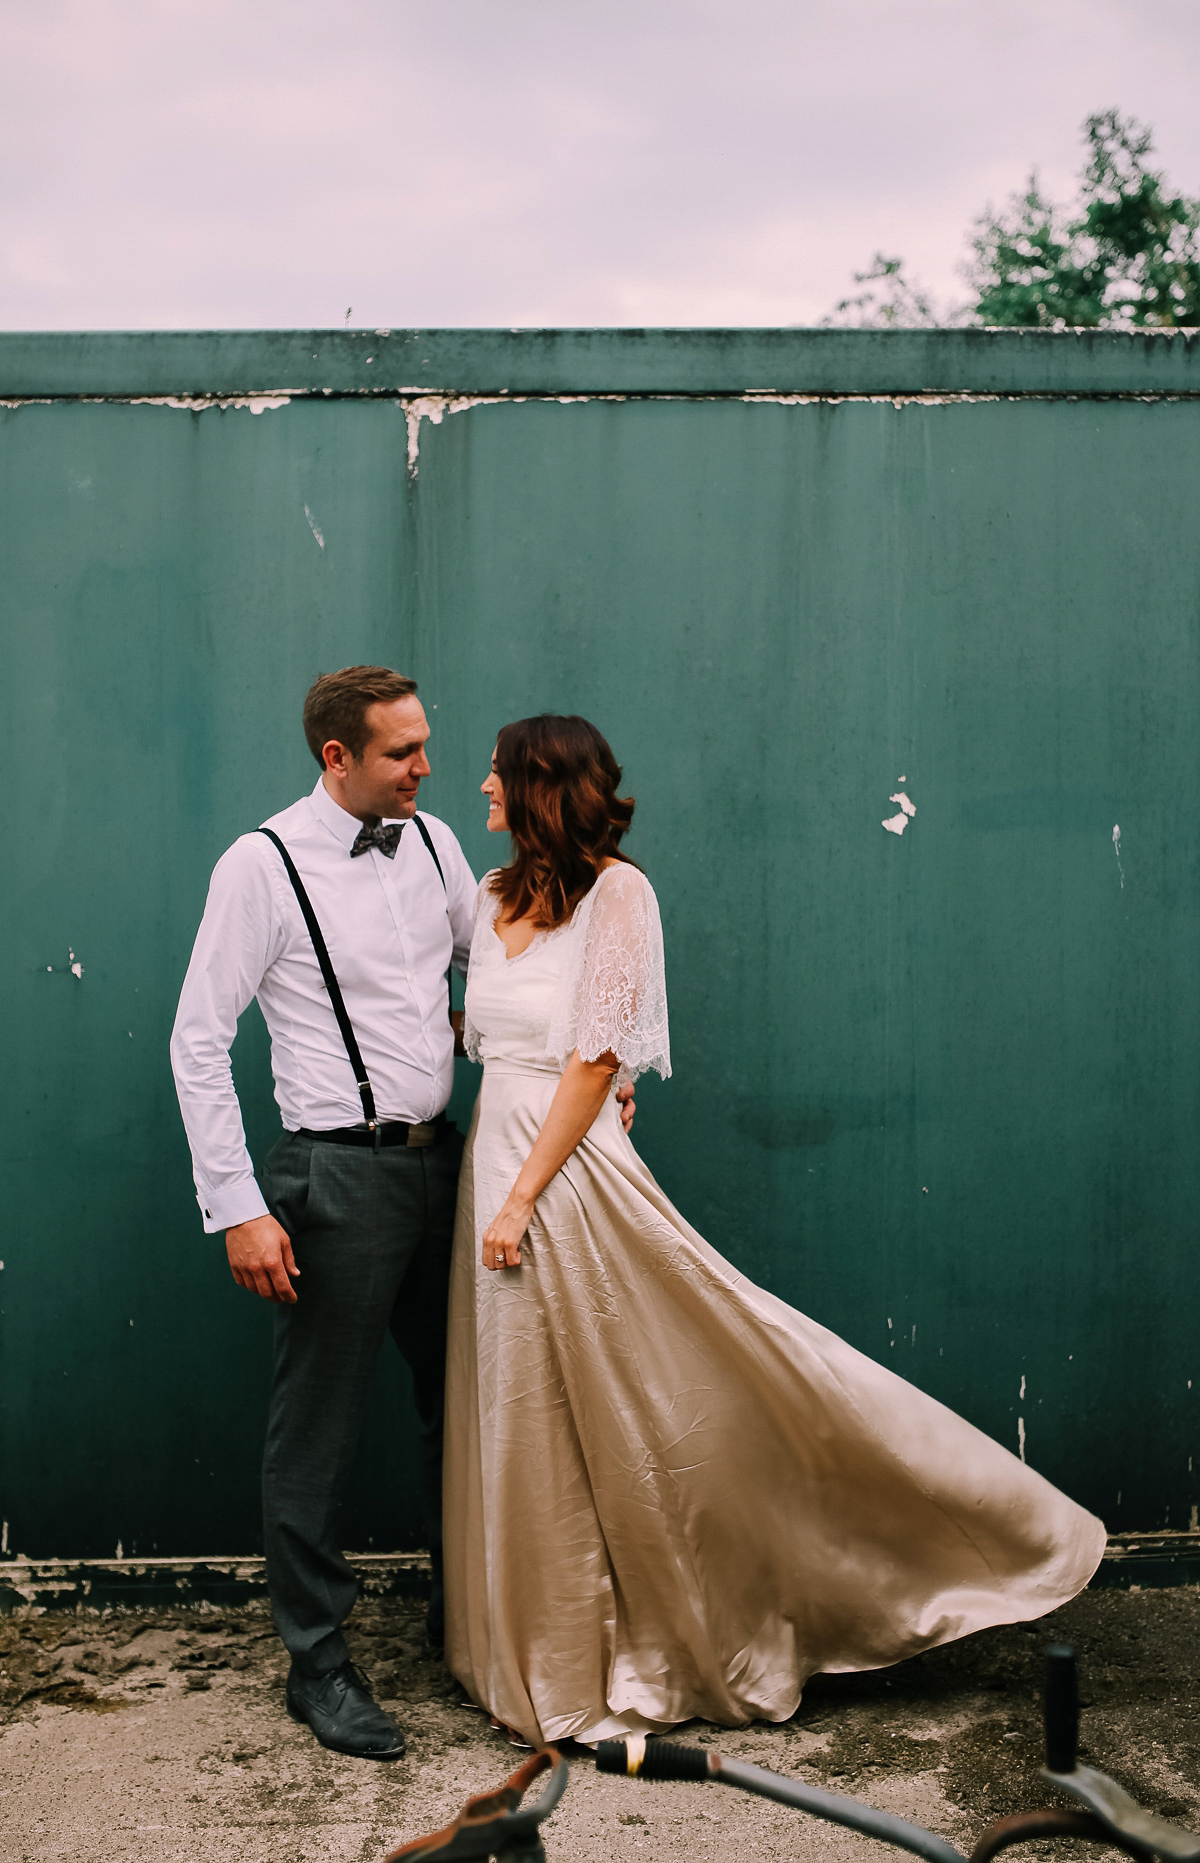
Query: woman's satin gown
{"points": [[668, 1494]]}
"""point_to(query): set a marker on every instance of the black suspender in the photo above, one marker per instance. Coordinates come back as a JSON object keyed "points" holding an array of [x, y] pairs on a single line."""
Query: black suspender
{"points": [[423, 831], [425, 836], [337, 1002]]}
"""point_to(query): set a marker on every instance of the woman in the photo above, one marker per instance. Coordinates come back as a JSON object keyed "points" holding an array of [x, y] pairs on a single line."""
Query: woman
{"points": [[667, 1493]]}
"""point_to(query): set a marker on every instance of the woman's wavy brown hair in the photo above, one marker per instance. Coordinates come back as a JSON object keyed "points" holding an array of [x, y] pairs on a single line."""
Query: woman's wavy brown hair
{"points": [[566, 819]]}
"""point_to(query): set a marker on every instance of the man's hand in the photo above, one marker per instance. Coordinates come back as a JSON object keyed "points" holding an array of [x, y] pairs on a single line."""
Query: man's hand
{"points": [[625, 1102], [260, 1255]]}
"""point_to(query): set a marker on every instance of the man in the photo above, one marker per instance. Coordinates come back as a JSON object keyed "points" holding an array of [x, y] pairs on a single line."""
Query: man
{"points": [[350, 1234]]}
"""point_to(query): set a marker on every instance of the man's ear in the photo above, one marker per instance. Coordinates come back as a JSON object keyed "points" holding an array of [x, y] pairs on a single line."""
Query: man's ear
{"points": [[335, 757]]}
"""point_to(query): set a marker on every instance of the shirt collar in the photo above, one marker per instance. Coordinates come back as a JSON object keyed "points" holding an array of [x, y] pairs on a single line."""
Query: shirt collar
{"points": [[340, 823]]}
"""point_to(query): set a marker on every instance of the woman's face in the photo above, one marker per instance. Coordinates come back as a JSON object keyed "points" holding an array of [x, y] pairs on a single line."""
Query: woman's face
{"points": [[493, 789]]}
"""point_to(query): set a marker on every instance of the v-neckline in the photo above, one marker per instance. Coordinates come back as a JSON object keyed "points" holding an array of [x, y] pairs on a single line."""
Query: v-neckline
{"points": [[539, 937]]}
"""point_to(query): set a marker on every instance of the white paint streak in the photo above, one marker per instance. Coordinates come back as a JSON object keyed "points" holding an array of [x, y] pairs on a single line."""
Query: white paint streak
{"points": [[1117, 852], [435, 407], [1021, 1392], [199, 404], [908, 807], [279, 397], [771, 397], [312, 525], [896, 824], [1021, 1437], [76, 968]]}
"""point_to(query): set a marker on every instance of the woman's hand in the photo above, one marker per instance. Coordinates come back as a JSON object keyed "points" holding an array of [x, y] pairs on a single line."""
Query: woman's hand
{"points": [[502, 1238]]}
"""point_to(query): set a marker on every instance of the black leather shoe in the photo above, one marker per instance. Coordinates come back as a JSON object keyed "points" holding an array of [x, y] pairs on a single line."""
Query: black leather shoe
{"points": [[339, 1709]]}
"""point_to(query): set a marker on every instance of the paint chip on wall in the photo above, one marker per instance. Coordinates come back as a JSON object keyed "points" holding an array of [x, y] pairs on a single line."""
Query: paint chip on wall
{"points": [[896, 824]]}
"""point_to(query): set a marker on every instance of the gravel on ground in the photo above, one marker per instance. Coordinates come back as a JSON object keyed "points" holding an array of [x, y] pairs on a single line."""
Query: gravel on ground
{"points": [[161, 1737]]}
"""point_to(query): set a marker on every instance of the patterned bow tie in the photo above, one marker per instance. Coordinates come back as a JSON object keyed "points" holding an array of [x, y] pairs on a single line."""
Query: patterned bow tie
{"points": [[385, 838]]}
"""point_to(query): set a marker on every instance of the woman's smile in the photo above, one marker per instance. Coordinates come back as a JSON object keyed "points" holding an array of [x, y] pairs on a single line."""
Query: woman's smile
{"points": [[493, 789]]}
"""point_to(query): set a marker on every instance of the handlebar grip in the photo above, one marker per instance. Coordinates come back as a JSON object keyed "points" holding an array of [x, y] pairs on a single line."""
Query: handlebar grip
{"points": [[1062, 1708], [639, 1758]]}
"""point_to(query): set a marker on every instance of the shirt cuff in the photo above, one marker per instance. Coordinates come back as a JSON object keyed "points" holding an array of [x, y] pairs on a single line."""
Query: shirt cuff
{"points": [[232, 1204]]}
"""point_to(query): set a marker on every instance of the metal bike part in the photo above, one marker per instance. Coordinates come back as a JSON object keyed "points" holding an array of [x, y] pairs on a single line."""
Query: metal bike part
{"points": [[1121, 1819], [1124, 1820], [640, 1758], [491, 1825], [1024, 1826], [1061, 1708]]}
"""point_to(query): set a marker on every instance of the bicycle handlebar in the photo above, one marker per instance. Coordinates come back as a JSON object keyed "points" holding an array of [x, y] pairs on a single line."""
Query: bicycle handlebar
{"points": [[494, 1825], [638, 1758]]}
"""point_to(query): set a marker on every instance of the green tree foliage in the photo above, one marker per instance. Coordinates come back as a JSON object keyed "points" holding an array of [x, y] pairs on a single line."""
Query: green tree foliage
{"points": [[1128, 258], [889, 300]]}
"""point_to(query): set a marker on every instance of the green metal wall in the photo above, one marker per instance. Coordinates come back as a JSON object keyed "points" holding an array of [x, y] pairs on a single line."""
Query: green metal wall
{"points": [[940, 1090]]}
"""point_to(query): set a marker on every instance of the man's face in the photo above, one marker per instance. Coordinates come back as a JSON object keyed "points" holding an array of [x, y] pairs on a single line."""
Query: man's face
{"points": [[384, 780]]}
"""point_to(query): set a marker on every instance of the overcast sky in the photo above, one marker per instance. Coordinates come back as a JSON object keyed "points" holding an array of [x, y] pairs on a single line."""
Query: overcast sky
{"points": [[199, 163]]}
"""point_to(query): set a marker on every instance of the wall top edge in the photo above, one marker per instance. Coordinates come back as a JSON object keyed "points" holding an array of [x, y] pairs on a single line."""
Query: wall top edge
{"points": [[68, 364]]}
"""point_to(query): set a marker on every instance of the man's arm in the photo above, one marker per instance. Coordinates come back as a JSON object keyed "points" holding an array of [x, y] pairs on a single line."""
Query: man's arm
{"points": [[238, 937]]}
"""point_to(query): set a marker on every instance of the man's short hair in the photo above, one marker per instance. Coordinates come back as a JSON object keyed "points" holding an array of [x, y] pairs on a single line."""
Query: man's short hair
{"points": [[336, 706]]}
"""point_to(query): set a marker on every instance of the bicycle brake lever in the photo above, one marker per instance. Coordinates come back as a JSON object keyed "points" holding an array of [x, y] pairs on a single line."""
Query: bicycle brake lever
{"points": [[1109, 1802], [490, 1825]]}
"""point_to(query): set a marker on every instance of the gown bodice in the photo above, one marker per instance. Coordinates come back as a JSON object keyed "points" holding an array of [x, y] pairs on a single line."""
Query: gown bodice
{"points": [[510, 1001], [596, 984]]}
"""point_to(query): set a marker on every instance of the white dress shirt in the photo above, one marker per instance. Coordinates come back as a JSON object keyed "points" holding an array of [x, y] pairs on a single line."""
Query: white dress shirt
{"points": [[391, 930]]}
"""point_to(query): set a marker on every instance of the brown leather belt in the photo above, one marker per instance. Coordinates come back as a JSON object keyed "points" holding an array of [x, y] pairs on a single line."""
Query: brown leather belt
{"points": [[388, 1132]]}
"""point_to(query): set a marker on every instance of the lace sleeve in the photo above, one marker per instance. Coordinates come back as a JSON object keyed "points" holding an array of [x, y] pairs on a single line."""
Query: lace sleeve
{"points": [[614, 994], [485, 913]]}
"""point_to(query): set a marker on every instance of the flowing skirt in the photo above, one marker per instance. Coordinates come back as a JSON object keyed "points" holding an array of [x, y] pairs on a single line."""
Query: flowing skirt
{"points": [[669, 1495]]}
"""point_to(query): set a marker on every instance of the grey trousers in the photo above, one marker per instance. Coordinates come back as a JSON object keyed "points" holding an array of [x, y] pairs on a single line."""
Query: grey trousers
{"points": [[372, 1233]]}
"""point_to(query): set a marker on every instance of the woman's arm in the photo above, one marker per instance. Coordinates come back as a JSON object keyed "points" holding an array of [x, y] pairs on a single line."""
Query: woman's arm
{"points": [[580, 1094]]}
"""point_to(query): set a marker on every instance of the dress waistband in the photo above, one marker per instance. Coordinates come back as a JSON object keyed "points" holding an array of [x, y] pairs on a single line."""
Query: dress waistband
{"points": [[521, 1069]]}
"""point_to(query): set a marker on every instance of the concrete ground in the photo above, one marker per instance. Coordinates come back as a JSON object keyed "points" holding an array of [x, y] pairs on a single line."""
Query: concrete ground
{"points": [[163, 1736]]}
